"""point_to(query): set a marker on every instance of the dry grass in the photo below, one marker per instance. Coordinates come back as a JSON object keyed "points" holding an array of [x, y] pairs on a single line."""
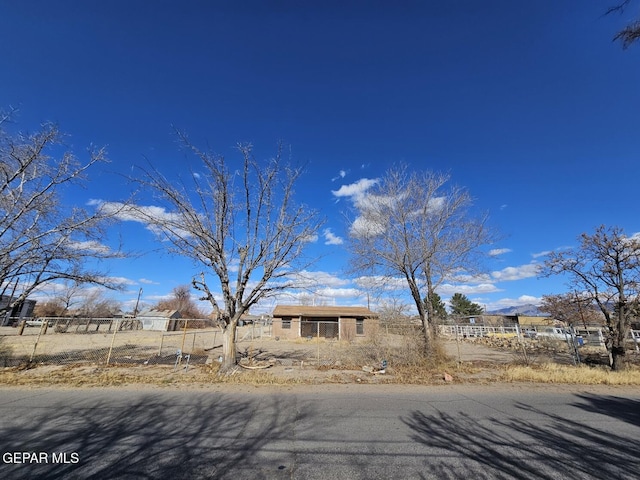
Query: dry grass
{"points": [[580, 375], [405, 355], [91, 376]]}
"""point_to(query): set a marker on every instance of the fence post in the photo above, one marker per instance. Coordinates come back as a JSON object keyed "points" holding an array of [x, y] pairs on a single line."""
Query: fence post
{"points": [[161, 343], [318, 340], [113, 339], [35, 345], [184, 335]]}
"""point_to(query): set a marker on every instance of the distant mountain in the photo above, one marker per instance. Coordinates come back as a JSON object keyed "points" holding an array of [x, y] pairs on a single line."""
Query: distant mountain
{"points": [[528, 309]]}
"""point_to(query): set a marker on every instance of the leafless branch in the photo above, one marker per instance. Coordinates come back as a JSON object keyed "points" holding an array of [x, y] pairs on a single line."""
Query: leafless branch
{"points": [[243, 227], [42, 240]]}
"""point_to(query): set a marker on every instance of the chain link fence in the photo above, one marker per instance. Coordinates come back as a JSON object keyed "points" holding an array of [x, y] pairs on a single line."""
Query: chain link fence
{"points": [[320, 344], [124, 342], [104, 341]]}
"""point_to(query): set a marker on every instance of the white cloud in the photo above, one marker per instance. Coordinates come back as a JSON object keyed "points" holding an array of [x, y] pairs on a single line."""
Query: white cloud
{"points": [[450, 289], [516, 273], [499, 251], [91, 246], [541, 254], [356, 189], [514, 302], [381, 282], [150, 215], [120, 280], [364, 227], [135, 213], [341, 174], [467, 278], [310, 239], [339, 293], [148, 282], [308, 279], [330, 238]]}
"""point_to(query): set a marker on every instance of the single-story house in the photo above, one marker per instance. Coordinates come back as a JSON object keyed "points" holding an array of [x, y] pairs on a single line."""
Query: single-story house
{"points": [[163, 320], [23, 309], [341, 323]]}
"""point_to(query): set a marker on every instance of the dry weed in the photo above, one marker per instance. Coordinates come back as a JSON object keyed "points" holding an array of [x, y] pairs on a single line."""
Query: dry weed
{"points": [[580, 375]]}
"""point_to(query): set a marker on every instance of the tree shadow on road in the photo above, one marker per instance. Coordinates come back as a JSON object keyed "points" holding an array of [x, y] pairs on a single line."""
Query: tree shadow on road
{"points": [[550, 449], [209, 436], [623, 409]]}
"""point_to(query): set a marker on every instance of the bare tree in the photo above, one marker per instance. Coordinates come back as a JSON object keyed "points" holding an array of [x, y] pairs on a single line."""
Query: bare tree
{"points": [[49, 308], [95, 304], [41, 240], [630, 33], [606, 268], [572, 308], [181, 301], [393, 310], [68, 295], [242, 226], [415, 226]]}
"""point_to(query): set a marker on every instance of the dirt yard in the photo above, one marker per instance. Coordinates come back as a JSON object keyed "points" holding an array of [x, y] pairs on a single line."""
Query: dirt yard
{"points": [[142, 356]]}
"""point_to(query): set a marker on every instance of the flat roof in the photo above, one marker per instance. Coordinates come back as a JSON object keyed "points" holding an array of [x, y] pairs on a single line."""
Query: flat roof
{"points": [[322, 311]]}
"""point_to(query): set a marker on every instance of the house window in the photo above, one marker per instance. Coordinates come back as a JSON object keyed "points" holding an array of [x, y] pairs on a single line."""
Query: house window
{"points": [[360, 327], [286, 323]]}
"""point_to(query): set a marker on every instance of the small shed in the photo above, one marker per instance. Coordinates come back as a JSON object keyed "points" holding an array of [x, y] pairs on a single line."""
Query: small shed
{"points": [[341, 323], [162, 320]]}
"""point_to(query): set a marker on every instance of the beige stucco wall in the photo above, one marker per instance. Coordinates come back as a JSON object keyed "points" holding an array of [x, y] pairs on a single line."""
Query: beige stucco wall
{"points": [[347, 328], [293, 332]]}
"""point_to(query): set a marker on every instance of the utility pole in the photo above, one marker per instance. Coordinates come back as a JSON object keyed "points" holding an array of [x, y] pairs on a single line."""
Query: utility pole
{"points": [[135, 310]]}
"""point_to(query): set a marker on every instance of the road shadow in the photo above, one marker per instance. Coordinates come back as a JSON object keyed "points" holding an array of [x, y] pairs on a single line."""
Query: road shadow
{"points": [[194, 435], [623, 409], [549, 449]]}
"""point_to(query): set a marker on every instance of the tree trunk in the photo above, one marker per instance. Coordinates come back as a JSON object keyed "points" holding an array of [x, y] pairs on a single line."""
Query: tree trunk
{"points": [[617, 358], [428, 336], [229, 347]]}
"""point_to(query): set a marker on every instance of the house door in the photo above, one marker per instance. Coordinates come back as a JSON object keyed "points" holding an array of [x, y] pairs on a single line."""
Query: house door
{"points": [[323, 328]]}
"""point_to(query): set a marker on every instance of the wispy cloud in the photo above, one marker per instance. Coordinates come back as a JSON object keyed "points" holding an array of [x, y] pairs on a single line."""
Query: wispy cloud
{"points": [[450, 289], [309, 279], [133, 212], [91, 246], [330, 238], [341, 174], [541, 254], [152, 216], [148, 282], [499, 251], [379, 282]]}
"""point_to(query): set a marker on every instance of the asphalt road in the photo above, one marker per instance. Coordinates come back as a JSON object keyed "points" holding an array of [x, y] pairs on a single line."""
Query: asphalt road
{"points": [[324, 432]]}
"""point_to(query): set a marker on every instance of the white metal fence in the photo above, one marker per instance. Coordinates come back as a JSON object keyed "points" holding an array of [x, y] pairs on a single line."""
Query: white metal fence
{"points": [[593, 336]]}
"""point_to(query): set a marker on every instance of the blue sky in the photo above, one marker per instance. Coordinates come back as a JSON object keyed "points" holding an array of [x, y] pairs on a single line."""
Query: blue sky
{"points": [[529, 105]]}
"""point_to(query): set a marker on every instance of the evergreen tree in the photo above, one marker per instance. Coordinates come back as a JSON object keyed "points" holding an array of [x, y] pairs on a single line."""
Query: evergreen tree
{"points": [[463, 307], [439, 310]]}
